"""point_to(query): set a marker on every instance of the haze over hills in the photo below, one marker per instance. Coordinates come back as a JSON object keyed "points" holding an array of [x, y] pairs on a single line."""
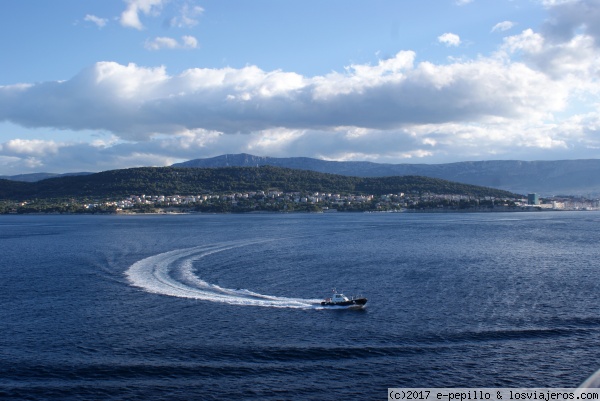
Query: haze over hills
{"points": [[560, 177], [34, 177]]}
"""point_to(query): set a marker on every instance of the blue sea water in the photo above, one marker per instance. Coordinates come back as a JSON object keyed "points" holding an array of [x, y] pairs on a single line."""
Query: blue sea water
{"points": [[224, 307]]}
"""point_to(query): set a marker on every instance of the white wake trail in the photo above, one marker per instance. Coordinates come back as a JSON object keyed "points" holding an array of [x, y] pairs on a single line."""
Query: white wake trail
{"points": [[172, 273]]}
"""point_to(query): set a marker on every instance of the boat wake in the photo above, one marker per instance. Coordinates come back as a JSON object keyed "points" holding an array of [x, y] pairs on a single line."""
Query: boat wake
{"points": [[172, 273]]}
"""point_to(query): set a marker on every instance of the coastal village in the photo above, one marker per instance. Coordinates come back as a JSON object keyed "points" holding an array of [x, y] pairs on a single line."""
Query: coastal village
{"points": [[329, 202], [278, 201]]}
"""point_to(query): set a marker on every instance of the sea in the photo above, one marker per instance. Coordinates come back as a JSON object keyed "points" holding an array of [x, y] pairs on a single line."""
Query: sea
{"points": [[227, 307]]}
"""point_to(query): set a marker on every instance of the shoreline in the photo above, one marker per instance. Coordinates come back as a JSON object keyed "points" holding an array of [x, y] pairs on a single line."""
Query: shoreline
{"points": [[407, 211]]}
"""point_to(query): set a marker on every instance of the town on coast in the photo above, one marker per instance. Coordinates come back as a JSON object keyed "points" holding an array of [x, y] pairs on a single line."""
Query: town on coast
{"points": [[278, 201]]}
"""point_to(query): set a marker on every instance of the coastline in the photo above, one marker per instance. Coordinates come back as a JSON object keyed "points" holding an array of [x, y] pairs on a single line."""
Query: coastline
{"points": [[266, 212]]}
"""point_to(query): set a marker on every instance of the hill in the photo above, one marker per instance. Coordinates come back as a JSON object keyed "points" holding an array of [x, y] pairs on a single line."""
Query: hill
{"points": [[173, 181], [572, 177], [33, 177]]}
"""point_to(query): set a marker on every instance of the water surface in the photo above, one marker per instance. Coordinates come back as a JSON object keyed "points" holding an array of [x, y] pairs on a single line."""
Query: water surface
{"points": [[226, 306]]}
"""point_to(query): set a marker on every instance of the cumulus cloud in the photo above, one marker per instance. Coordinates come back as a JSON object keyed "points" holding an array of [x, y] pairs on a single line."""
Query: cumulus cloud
{"points": [[29, 147], [100, 22], [575, 63], [162, 42], [449, 39], [566, 48], [187, 15], [503, 26], [189, 42], [572, 18], [130, 18], [509, 104], [413, 144], [136, 102]]}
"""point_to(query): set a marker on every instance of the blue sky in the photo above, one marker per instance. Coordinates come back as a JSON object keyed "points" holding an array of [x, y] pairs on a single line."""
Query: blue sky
{"points": [[103, 84]]}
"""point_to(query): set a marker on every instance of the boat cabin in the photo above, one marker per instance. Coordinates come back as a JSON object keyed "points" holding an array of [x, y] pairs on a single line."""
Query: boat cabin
{"points": [[339, 298]]}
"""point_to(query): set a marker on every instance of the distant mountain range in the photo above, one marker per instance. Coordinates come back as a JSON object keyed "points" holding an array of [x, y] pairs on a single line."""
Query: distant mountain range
{"points": [[34, 177], [560, 177]]}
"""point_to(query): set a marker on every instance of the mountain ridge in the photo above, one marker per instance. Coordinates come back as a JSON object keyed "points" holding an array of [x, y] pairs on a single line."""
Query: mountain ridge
{"points": [[558, 177], [547, 178], [34, 177]]}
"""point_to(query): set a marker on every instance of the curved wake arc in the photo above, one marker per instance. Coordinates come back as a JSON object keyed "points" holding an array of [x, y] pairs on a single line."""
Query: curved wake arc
{"points": [[172, 273]]}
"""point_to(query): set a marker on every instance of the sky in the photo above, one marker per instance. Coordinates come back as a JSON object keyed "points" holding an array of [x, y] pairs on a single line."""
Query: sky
{"points": [[95, 85]]}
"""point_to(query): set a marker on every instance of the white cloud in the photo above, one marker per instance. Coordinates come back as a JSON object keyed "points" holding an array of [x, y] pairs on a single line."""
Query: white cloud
{"points": [[552, 3], [161, 43], [463, 2], [449, 39], [28, 147], [188, 17], [188, 13], [575, 62], [135, 102], [130, 18], [572, 18], [503, 26], [187, 42], [100, 22], [412, 144], [516, 103], [567, 47], [528, 41]]}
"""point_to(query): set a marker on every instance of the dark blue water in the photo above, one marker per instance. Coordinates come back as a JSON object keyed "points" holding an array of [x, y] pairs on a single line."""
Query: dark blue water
{"points": [[204, 307]]}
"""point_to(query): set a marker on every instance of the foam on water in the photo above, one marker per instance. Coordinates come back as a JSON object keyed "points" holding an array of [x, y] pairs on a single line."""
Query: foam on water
{"points": [[172, 273]]}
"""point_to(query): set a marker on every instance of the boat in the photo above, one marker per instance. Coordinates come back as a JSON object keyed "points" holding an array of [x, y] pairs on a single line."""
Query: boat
{"points": [[342, 300]]}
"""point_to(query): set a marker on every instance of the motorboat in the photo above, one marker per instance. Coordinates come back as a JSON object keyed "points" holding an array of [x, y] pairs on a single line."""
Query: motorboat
{"points": [[342, 300]]}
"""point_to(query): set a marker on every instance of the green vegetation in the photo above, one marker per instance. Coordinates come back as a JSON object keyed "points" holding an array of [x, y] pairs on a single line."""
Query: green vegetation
{"points": [[170, 180], [241, 190]]}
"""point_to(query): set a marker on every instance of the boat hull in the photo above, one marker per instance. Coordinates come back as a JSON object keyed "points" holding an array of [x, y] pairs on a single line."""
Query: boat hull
{"points": [[352, 302]]}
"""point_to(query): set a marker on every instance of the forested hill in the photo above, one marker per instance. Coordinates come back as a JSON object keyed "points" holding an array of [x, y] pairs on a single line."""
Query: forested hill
{"points": [[543, 177], [187, 181]]}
